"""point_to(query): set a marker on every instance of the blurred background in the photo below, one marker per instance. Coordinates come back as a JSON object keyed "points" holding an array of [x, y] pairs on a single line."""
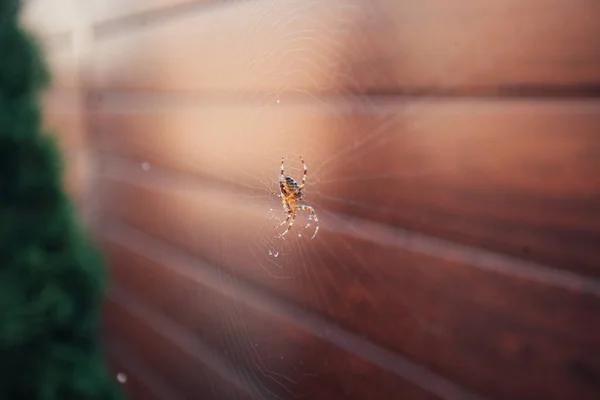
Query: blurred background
{"points": [[453, 154]]}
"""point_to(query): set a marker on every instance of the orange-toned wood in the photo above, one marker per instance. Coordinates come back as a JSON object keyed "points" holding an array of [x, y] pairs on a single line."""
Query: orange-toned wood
{"points": [[277, 357], [469, 316], [513, 176], [493, 284], [66, 125], [186, 375], [342, 47]]}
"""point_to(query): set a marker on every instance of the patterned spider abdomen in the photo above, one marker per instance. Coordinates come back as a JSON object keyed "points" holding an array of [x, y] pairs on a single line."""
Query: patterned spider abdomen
{"points": [[291, 186]]}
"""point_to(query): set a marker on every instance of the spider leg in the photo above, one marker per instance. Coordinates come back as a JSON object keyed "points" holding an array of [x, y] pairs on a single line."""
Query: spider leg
{"points": [[312, 216], [285, 221], [303, 176], [293, 219], [288, 211], [281, 177]]}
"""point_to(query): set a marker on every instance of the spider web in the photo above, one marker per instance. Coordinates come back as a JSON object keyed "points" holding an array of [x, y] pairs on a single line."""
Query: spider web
{"points": [[293, 257]]}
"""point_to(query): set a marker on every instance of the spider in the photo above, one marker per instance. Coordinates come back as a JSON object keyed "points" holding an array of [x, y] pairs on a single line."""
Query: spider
{"points": [[291, 194]]}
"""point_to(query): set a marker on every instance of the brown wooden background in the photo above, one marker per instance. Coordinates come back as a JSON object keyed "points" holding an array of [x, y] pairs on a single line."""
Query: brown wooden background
{"points": [[453, 151]]}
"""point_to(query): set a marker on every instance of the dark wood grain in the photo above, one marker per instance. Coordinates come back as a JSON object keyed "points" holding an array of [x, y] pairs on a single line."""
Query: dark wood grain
{"points": [[352, 46], [518, 177], [441, 308], [276, 356]]}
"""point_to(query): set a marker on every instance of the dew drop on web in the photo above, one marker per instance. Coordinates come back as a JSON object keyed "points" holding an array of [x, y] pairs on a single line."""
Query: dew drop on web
{"points": [[121, 377]]}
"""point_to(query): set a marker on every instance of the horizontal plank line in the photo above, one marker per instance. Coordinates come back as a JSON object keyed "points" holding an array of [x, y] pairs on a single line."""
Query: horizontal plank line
{"points": [[128, 171], [506, 91], [138, 20], [455, 252], [197, 271], [103, 98], [121, 353], [179, 336]]}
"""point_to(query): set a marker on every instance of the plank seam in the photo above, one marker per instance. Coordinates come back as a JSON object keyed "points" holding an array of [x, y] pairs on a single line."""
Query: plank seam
{"points": [[503, 264], [195, 97], [381, 233], [179, 336], [202, 273]]}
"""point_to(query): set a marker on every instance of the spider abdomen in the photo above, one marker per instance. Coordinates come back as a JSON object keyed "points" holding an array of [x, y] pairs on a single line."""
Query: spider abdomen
{"points": [[291, 185]]}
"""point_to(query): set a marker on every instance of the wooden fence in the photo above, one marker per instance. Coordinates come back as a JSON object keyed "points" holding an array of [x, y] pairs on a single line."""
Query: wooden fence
{"points": [[453, 155]]}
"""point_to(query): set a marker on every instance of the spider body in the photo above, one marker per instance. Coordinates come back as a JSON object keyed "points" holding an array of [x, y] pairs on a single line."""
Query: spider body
{"points": [[291, 188], [291, 194]]}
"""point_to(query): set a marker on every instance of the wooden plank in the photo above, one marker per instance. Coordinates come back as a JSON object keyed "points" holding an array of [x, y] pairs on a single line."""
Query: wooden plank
{"points": [[467, 317], [67, 127], [102, 11], [277, 357], [356, 46], [518, 177], [181, 371]]}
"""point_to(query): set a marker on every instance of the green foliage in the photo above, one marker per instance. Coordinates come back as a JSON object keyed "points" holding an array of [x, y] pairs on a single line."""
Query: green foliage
{"points": [[51, 277]]}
